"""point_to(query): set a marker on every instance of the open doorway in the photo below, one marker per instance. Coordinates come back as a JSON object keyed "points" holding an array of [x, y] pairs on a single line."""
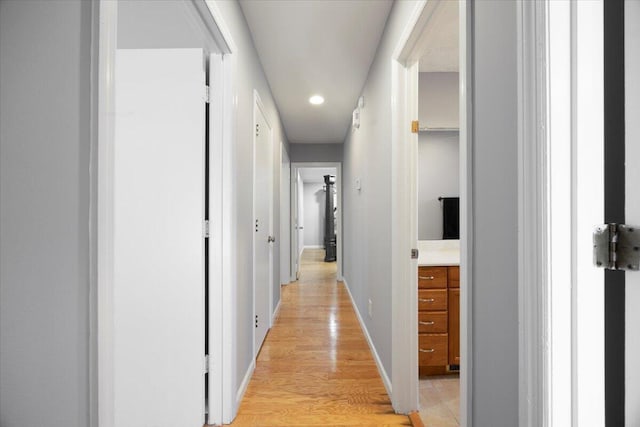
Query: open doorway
{"points": [[438, 218], [316, 223], [429, 159], [438, 170]]}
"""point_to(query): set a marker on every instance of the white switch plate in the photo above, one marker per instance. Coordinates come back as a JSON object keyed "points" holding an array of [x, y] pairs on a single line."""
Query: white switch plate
{"points": [[358, 185], [370, 309]]}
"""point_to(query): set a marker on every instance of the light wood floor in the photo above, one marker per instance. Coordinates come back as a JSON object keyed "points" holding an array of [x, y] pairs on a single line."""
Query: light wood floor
{"points": [[315, 367]]}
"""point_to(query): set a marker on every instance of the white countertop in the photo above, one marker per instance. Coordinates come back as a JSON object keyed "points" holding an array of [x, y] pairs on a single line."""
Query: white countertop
{"points": [[438, 252]]}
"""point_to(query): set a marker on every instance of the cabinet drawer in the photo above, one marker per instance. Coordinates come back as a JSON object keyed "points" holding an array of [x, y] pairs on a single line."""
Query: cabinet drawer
{"points": [[454, 277], [432, 321], [432, 299], [433, 349], [432, 277]]}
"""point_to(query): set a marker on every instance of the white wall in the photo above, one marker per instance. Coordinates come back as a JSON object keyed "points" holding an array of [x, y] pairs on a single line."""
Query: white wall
{"points": [[632, 127], [45, 228], [438, 176], [248, 76], [439, 101], [314, 207]]}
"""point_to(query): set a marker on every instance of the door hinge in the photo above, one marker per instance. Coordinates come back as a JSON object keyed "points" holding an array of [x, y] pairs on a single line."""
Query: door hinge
{"points": [[205, 228], [617, 247], [206, 363], [256, 320], [415, 253], [207, 94], [415, 126], [257, 129]]}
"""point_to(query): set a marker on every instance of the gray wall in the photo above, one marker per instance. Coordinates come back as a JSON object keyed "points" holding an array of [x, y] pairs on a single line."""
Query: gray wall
{"points": [[367, 213], [250, 76], [44, 212], [316, 152], [495, 203], [314, 206], [438, 175], [438, 152]]}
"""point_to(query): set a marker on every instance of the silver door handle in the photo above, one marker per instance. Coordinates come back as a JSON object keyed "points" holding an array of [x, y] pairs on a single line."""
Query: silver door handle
{"points": [[430, 350], [271, 239], [426, 277], [429, 323], [426, 299]]}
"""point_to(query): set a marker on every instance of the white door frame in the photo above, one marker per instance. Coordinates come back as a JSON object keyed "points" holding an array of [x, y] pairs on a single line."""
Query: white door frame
{"points": [[532, 204], [575, 333], [295, 166], [222, 157]]}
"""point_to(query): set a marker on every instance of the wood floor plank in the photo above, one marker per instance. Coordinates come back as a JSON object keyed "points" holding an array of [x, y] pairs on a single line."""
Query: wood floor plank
{"points": [[315, 367]]}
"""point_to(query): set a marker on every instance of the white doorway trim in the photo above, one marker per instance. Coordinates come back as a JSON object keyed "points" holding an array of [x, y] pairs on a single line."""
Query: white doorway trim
{"points": [[222, 159], [295, 166]]}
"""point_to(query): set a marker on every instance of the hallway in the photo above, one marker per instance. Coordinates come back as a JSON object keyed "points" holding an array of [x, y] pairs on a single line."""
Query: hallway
{"points": [[315, 367]]}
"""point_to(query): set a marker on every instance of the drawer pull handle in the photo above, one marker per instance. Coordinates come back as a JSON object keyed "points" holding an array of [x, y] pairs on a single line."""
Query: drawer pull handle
{"points": [[429, 323], [426, 299], [422, 350], [426, 277]]}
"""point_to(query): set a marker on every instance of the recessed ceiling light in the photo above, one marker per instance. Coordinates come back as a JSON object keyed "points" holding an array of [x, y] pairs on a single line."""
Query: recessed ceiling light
{"points": [[316, 100]]}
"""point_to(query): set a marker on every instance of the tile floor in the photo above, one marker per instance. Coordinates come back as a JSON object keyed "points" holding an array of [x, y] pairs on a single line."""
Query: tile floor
{"points": [[440, 401]]}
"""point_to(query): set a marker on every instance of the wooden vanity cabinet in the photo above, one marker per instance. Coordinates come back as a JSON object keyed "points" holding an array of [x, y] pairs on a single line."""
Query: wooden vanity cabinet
{"points": [[454, 326], [438, 318]]}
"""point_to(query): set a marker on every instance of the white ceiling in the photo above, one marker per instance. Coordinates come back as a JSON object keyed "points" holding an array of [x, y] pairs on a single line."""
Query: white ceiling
{"points": [[315, 175], [441, 44], [316, 46]]}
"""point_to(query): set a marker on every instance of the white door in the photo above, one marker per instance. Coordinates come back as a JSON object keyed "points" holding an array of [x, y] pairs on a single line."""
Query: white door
{"points": [[263, 235], [158, 250], [300, 221], [285, 216]]}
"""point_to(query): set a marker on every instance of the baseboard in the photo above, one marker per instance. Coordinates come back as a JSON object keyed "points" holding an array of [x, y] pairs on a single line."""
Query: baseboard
{"points": [[376, 357], [276, 311], [245, 383], [313, 247]]}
